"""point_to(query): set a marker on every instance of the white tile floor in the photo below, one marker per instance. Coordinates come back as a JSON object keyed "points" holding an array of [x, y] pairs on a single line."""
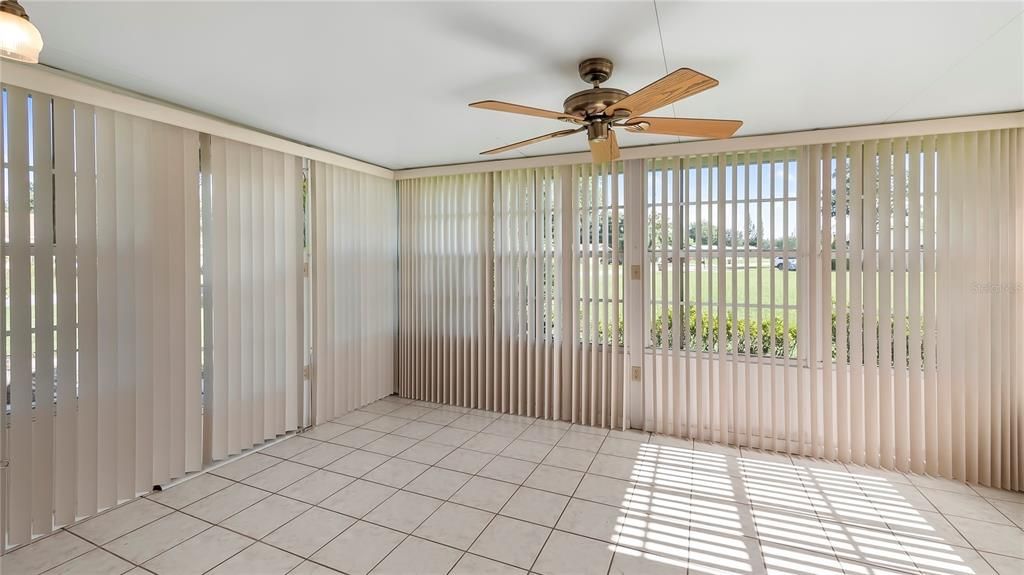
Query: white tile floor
{"points": [[403, 487]]}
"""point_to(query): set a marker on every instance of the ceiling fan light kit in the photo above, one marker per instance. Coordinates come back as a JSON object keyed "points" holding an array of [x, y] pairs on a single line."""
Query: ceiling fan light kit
{"points": [[599, 110], [19, 39]]}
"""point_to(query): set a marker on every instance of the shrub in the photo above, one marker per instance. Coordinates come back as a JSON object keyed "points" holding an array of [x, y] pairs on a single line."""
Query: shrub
{"points": [[748, 337], [767, 338]]}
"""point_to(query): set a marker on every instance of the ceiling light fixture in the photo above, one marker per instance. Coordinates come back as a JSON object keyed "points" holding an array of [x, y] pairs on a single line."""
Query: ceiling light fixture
{"points": [[19, 39]]}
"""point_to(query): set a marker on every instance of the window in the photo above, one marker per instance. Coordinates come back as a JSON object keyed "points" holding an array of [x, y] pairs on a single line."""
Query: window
{"points": [[41, 235], [599, 252], [882, 229], [721, 242]]}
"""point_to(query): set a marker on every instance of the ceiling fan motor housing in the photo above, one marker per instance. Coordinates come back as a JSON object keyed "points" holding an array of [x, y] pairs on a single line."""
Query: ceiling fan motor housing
{"points": [[597, 131], [592, 102], [595, 70]]}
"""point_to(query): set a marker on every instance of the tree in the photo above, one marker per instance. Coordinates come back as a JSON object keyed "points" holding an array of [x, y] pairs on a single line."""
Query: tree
{"points": [[847, 169], [656, 240], [752, 234], [708, 234]]}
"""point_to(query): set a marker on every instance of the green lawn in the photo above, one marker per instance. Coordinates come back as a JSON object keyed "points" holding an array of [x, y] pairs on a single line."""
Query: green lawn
{"points": [[753, 285]]}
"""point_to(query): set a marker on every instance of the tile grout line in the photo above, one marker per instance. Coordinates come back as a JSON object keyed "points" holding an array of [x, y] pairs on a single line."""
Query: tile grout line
{"points": [[226, 559], [103, 546], [80, 555], [222, 526]]}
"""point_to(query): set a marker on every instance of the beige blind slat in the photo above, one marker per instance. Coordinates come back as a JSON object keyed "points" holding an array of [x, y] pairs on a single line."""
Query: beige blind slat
{"points": [[43, 243], [88, 436], [20, 453], [65, 442]]}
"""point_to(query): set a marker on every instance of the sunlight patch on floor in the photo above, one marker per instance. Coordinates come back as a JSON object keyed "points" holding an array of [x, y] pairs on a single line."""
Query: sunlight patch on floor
{"points": [[712, 512]]}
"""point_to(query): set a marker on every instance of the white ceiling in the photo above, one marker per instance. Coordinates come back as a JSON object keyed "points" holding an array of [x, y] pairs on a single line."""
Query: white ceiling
{"points": [[388, 83]]}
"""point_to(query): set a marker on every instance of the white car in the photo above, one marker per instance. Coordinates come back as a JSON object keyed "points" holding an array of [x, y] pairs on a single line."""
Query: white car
{"points": [[780, 261]]}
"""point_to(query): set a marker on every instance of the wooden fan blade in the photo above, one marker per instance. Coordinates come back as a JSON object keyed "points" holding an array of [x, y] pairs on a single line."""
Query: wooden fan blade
{"points": [[605, 150], [693, 127], [680, 84], [524, 110], [550, 136]]}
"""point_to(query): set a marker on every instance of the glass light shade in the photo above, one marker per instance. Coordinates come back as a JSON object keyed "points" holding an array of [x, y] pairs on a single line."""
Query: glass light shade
{"points": [[19, 39]]}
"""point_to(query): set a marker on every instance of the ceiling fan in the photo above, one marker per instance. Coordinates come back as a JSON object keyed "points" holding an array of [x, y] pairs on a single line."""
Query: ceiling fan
{"points": [[598, 110]]}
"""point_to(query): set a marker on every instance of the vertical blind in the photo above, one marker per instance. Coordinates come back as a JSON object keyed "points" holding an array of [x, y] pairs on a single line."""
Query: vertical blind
{"points": [[100, 248], [445, 292], [128, 269], [593, 291], [524, 334], [510, 292], [355, 258], [926, 236], [720, 297], [253, 266], [855, 301]]}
